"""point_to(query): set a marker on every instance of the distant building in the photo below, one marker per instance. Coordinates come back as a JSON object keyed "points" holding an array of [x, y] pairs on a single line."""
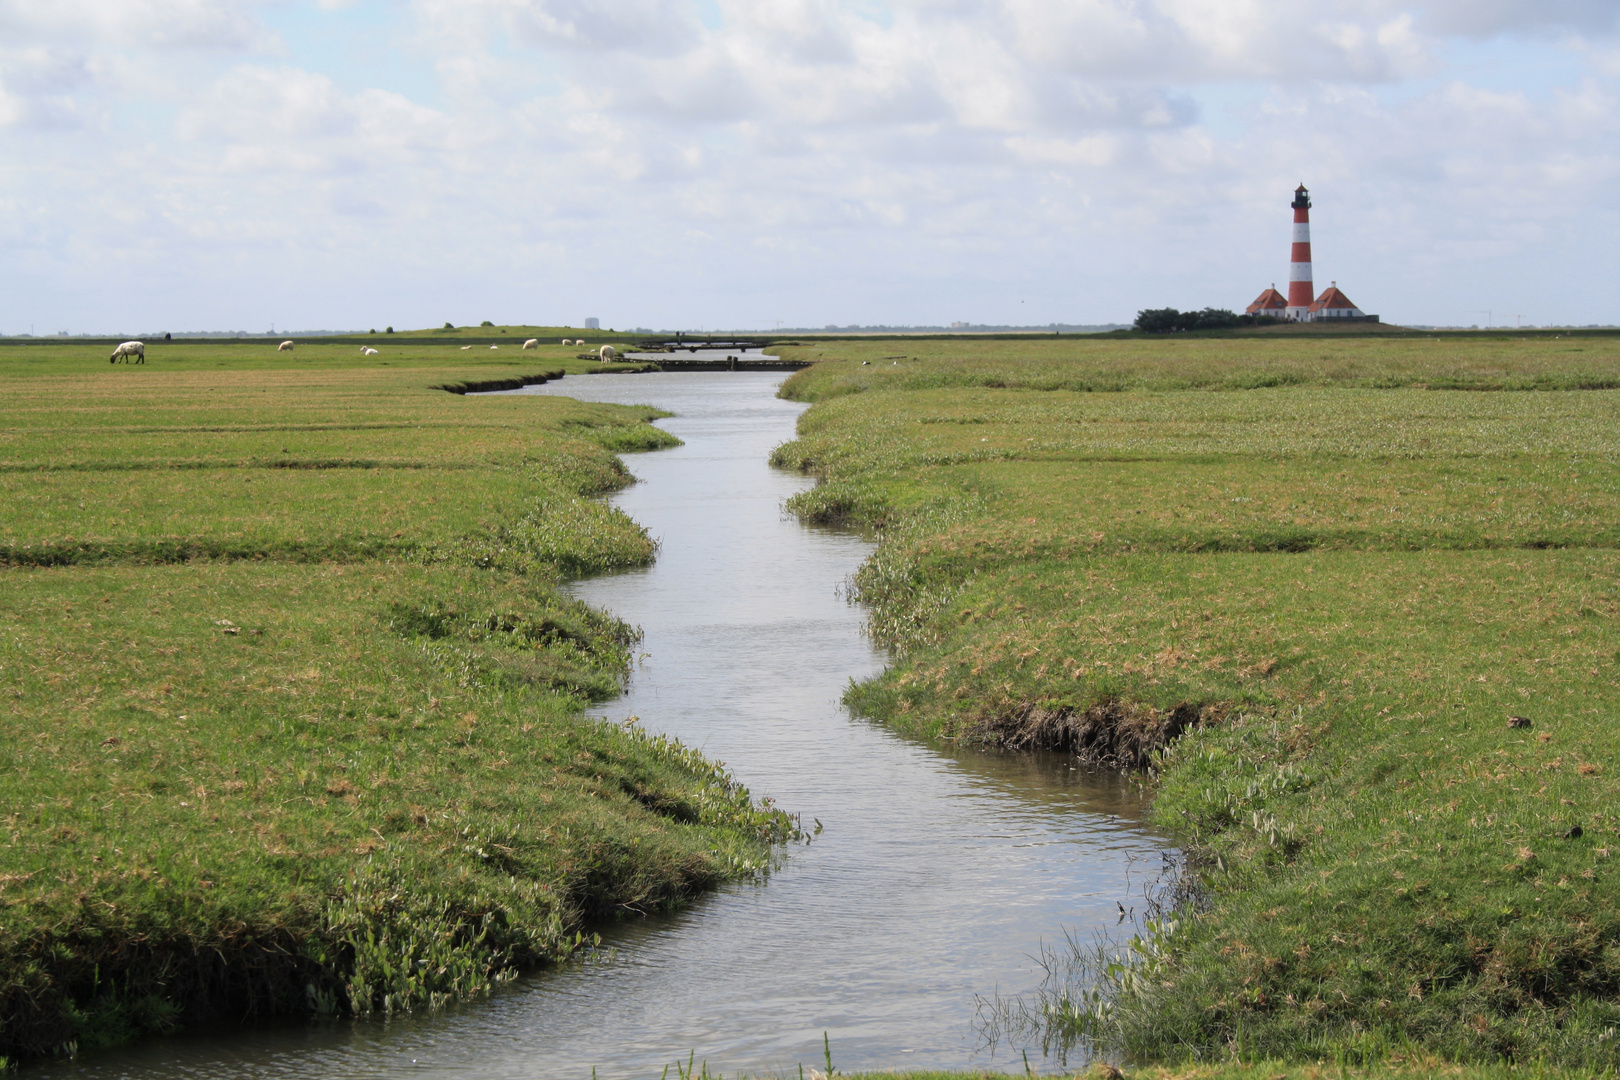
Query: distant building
{"points": [[593, 324], [1299, 258], [1271, 302], [1333, 304], [1298, 305], [960, 325]]}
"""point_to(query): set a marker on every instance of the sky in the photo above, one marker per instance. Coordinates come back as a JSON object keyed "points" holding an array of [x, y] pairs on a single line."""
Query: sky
{"points": [[347, 164]]}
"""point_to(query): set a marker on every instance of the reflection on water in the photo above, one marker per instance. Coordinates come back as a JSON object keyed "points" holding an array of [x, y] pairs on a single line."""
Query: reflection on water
{"points": [[936, 878]]}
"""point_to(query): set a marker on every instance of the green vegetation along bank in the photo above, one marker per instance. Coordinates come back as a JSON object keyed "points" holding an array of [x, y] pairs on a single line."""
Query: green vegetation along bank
{"points": [[1411, 1067], [291, 700], [1307, 581]]}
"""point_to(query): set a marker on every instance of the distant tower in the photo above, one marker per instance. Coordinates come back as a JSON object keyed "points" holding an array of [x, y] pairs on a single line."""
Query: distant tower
{"points": [[1301, 290]]}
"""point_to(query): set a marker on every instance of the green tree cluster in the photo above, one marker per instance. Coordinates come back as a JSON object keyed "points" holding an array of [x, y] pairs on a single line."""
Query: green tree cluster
{"points": [[1169, 320]]}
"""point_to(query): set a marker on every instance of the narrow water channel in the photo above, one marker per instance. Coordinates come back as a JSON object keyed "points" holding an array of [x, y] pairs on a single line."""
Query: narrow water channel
{"points": [[936, 877]]}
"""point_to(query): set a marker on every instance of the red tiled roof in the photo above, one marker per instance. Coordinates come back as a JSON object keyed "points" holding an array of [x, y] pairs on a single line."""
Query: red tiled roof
{"points": [[1332, 298], [1267, 301]]}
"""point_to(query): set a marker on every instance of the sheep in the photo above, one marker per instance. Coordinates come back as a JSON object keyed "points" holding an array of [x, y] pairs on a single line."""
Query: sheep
{"points": [[494, 346], [464, 348], [127, 350], [608, 354], [367, 350], [579, 341], [285, 346], [568, 341], [532, 343]]}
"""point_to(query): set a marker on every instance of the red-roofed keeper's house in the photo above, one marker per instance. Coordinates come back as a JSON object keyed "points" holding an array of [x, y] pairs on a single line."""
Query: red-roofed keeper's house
{"points": [[1271, 302], [1333, 304]]}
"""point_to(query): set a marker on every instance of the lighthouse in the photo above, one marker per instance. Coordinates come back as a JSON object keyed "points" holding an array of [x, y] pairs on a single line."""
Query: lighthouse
{"points": [[1301, 305], [1301, 292]]}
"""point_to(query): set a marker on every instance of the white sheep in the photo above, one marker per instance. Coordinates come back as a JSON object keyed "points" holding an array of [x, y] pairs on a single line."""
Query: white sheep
{"points": [[568, 341], [464, 348], [532, 343], [579, 341], [608, 354], [494, 346], [285, 346], [127, 350], [366, 350]]}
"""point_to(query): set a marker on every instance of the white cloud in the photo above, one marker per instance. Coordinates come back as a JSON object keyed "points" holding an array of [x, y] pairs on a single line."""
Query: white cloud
{"points": [[1483, 18], [37, 87], [805, 159], [285, 110], [146, 24]]}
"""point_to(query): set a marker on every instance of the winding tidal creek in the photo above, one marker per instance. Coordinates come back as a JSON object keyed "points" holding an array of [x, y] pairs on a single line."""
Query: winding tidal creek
{"points": [[934, 882]]}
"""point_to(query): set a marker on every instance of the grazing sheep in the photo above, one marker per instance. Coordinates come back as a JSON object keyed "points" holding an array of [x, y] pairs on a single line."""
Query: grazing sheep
{"points": [[285, 346], [568, 341], [608, 354], [464, 348], [532, 343], [579, 341], [368, 351], [127, 350], [494, 346]]}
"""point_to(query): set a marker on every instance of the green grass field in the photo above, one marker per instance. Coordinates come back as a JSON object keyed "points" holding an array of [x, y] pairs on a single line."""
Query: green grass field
{"points": [[1386, 358], [290, 697], [1354, 578]]}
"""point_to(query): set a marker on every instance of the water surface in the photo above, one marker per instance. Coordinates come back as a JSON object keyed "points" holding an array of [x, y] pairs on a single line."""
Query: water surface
{"points": [[934, 880]]}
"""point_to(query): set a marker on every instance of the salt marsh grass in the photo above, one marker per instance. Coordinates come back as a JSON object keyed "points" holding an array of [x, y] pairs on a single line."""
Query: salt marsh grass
{"points": [[336, 462], [1357, 578], [290, 697], [1108, 363]]}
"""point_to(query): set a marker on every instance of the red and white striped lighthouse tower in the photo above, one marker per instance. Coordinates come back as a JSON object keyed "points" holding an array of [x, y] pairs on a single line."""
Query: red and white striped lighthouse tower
{"points": [[1301, 290]]}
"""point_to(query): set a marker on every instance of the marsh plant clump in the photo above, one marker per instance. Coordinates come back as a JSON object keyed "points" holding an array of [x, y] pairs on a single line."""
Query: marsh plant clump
{"points": [[292, 699], [1305, 583]]}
